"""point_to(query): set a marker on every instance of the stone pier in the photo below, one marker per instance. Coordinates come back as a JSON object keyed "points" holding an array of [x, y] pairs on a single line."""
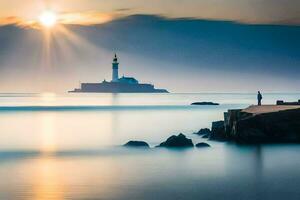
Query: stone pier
{"points": [[260, 124]]}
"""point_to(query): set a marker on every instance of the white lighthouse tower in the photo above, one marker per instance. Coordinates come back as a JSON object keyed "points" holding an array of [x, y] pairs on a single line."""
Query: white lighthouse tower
{"points": [[115, 68]]}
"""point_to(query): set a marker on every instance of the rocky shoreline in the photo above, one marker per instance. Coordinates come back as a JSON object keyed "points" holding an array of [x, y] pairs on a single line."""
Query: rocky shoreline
{"points": [[243, 126], [253, 125]]}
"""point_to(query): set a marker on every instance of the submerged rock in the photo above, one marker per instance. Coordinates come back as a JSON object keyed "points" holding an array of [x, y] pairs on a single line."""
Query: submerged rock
{"points": [[203, 131], [204, 103], [202, 144], [177, 142], [137, 144]]}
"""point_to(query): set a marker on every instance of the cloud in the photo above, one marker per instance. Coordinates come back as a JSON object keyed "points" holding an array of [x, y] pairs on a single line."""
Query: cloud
{"points": [[10, 20], [123, 9], [75, 18], [85, 18]]}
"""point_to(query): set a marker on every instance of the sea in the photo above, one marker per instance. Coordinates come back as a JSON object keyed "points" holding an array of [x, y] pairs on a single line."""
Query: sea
{"points": [[69, 146]]}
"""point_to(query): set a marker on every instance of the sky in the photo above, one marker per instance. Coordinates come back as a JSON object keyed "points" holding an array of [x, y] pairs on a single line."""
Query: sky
{"points": [[180, 45], [250, 11]]}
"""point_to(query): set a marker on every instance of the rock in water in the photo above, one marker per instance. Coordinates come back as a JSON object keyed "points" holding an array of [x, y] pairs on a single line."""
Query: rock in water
{"points": [[203, 131], [137, 144], [218, 131], [177, 142], [202, 144], [205, 104]]}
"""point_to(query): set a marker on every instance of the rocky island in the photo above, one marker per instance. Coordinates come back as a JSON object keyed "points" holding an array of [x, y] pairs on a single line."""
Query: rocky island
{"points": [[204, 103], [118, 85]]}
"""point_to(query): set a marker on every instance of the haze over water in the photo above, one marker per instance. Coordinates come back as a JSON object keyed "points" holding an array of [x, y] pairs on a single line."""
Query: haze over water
{"points": [[69, 147]]}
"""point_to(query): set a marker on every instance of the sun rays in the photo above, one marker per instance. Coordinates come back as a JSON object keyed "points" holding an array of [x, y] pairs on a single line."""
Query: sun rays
{"points": [[57, 48], [62, 46], [60, 42], [50, 18]]}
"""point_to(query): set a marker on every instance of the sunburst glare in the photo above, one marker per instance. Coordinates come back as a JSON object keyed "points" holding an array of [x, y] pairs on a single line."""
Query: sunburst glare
{"points": [[48, 19]]}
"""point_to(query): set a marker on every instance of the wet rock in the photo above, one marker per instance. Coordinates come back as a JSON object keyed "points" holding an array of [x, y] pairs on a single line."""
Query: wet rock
{"points": [[203, 131], [204, 103], [206, 136], [202, 145], [276, 127], [179, 141], [262, 127], [218, 131], [140, 144]]}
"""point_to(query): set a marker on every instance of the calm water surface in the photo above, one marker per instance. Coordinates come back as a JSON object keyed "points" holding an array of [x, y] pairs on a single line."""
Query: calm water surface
{"points": [[69, 147]]}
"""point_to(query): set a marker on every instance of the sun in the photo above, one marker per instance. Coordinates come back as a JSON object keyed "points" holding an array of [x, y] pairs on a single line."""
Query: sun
{"points": [[48, 19]]}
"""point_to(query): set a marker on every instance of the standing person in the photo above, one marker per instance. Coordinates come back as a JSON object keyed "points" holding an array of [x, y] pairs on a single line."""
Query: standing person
{"points": [[259, 98]]}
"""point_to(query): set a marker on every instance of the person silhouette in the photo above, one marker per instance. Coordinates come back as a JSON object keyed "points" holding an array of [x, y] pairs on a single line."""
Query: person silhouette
{"points": [[259, 98]]}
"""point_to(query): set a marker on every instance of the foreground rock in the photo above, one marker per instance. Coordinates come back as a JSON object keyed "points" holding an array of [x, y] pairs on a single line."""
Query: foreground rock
{"points": [[218, 131], [137, 144], [204, 103], [202, 145], [179, 141], [203, 131], [276, 127], [259, 125]]}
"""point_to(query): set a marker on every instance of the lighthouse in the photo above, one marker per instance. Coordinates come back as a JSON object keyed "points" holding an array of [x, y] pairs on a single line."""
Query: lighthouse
{"points": [[115, 69], [125, 84]]}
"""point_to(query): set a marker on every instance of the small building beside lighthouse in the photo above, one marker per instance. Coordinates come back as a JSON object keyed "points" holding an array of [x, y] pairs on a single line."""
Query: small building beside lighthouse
{"points": [[118, 85]]}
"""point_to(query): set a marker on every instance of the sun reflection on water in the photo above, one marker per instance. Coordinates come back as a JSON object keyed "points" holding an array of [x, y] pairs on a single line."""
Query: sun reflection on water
{"points": [[48, 131], [48, 184], [48, 96]]}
